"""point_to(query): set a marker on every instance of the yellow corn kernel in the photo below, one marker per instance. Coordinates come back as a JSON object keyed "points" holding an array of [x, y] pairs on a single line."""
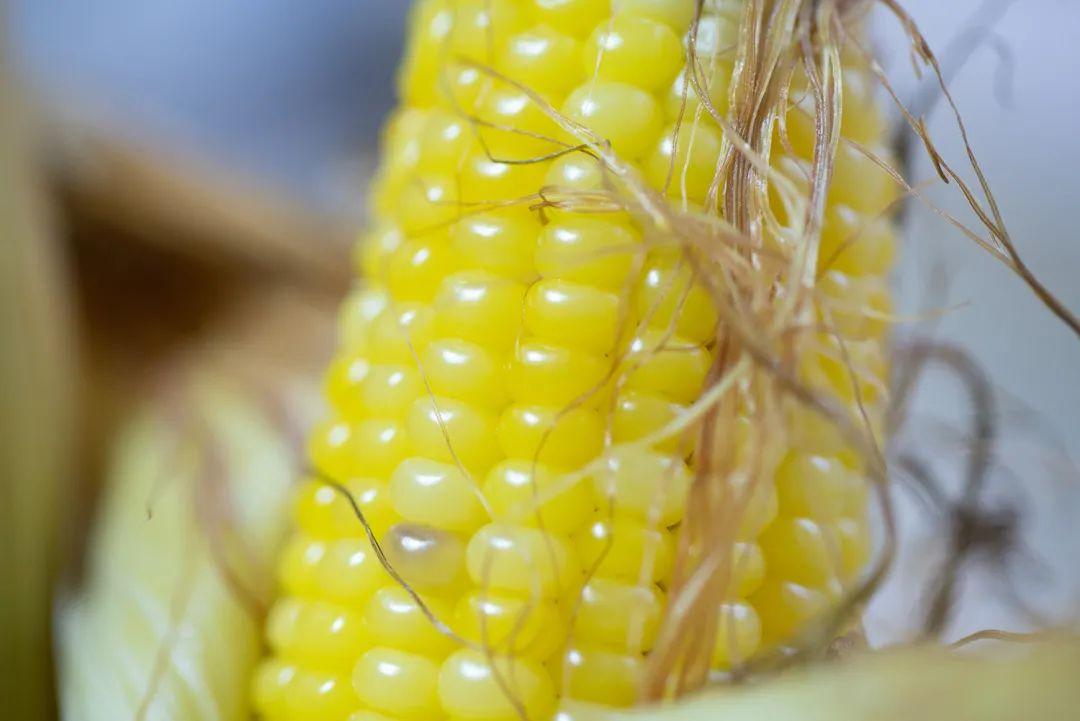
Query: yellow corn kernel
{"points": [[472, 687], [445, 140], [619, 615], [601, 676], [719, 30], [316, 634], [397, 682], [393, 619], [416, 269], [626, 549], [859, 182], [784, 607], [428, 203], [523, 560], [856, 244], [582, 249], [323, 512], [800, 550], [621, 114], [461, 85], [738, 635], [638, 415], [853, 540], [448, 430], [667, 366], [349, 570], [812, 486], [531, 494], [615, 49], [501, 242], [570, 16], [376, 445], [464, 371], [643, 484], [809, 432], [400, 332], [493, 179], [296, 570], [369, 716], [684, 161], [343, 382], [438, 494], [746, 568], [552, 435], [575, 172], [465, 27], [481, 308], [401, 149], [856, 307], [572, 314], [344, 570], [513, 127], [761, 504], [388, 390], [668, 298], [861, 119], [357, 317], [853, 372], [286, 691], [509, 624], [374, 250], [544, 373], [543, 59], [681, 99]]}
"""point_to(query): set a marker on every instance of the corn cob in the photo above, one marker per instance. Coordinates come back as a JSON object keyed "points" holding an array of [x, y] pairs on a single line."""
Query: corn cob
{"points": [[492, 350]]}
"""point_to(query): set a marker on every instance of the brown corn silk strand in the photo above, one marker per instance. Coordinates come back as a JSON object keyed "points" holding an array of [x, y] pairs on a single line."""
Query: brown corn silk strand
{"points": [[999, 242], [771, 35]]}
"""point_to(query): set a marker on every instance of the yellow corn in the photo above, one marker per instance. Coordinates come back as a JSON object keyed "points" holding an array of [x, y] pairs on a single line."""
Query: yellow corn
{"points": [[474, 378]]}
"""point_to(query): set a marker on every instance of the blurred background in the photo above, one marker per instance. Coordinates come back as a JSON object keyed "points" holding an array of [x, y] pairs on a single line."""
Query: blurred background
{"points": [[191, 176]]}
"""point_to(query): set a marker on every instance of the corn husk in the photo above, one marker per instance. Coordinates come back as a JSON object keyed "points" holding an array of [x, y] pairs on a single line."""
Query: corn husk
{"points": [[928, 684], [166, 622], [35, 417], [157, 611], [155, 195]]}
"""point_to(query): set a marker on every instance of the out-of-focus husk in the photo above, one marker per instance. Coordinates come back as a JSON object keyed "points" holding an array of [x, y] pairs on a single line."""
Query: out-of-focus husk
{"points": [[927, 684], [36, 367], [166, 624], [156, 611], [162, 196]]}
